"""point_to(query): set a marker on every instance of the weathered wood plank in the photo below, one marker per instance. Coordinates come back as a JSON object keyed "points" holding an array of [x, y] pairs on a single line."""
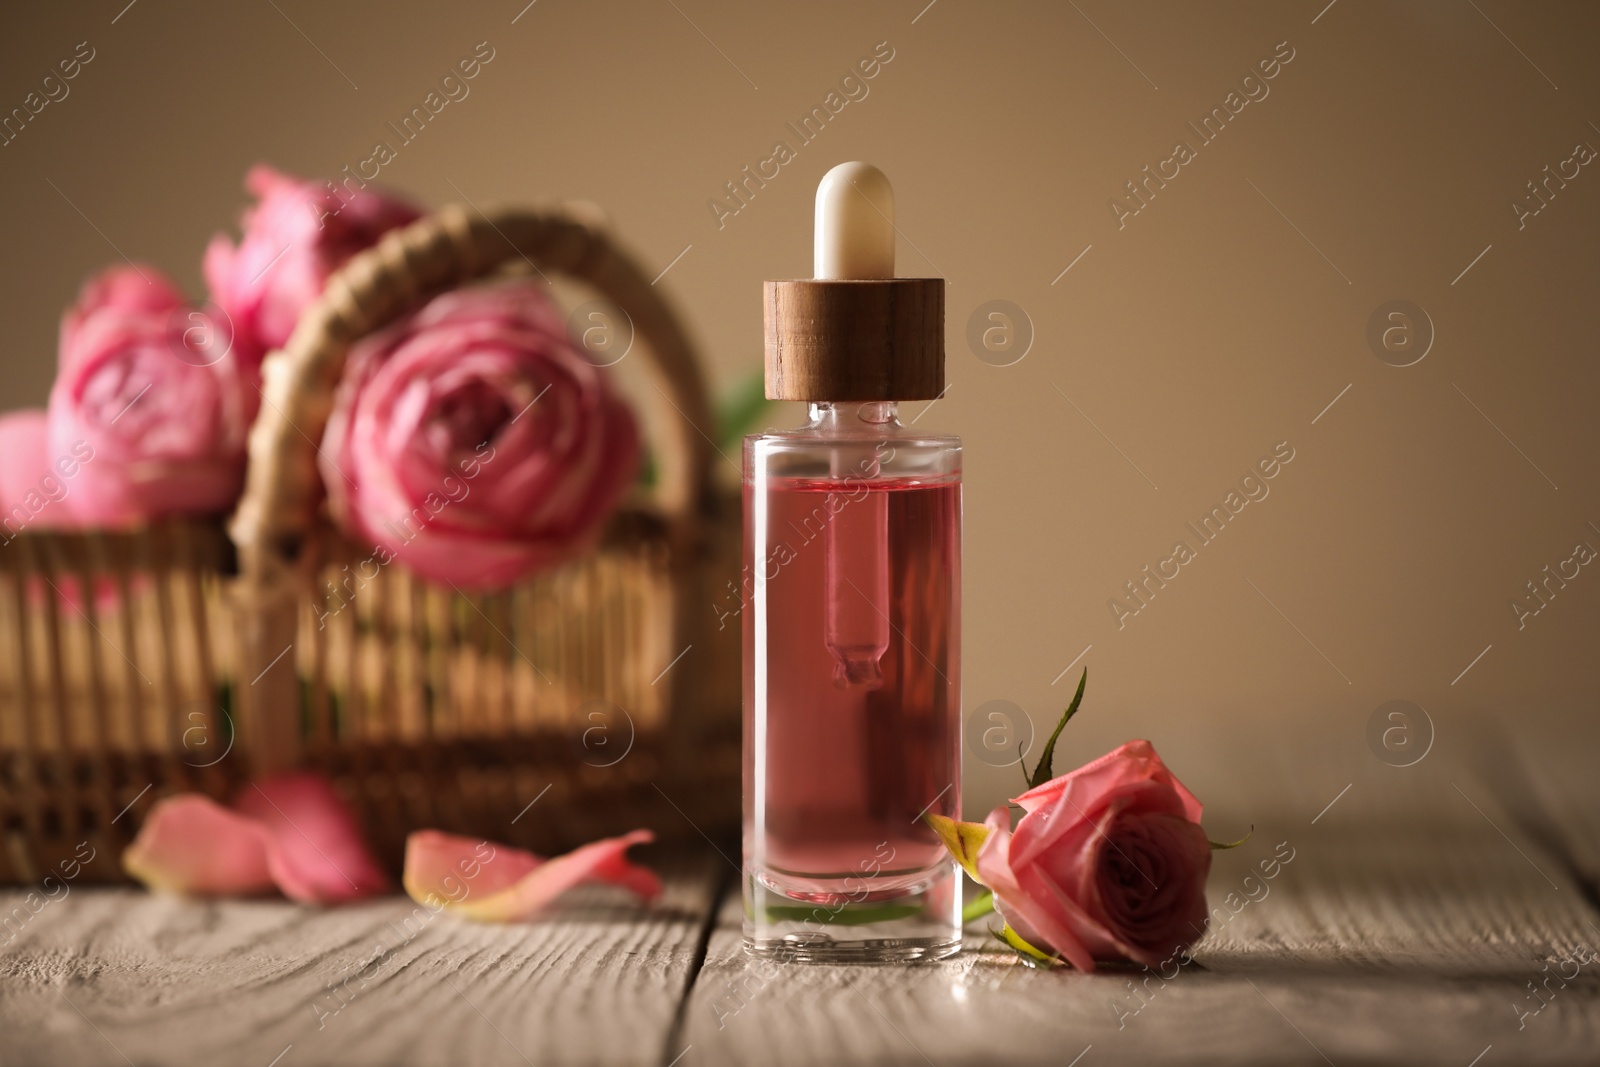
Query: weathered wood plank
{"points": [[118, 976], [1425, 914], [1548, 781], [1412, 916]]}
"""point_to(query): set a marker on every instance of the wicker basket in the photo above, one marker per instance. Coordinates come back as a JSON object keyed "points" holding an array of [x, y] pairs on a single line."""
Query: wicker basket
{"points": [[581, 702]]}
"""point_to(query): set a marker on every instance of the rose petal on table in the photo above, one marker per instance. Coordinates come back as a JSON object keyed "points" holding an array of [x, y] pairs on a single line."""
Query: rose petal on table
{"points": [[491, 882], [192, 845], [315, 850]]}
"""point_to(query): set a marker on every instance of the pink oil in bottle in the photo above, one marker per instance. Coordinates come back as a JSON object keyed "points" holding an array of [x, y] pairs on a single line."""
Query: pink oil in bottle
{"points": [[850, 610]]}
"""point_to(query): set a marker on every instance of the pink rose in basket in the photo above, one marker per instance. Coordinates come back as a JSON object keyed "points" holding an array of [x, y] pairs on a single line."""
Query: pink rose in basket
{"points": [[298, 233], [1107, 863], [34, 486], [149, 389], [475, 442], [31, 489], [127, 289]]}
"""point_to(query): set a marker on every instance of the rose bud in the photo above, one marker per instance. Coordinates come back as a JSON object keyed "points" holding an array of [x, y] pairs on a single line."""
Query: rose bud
{"points": [[1107, 863], [298, 233], [148, 388], [475, 442]]}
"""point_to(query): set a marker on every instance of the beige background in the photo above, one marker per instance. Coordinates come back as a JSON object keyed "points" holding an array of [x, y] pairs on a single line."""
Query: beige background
{"points": [[1207, 330]]}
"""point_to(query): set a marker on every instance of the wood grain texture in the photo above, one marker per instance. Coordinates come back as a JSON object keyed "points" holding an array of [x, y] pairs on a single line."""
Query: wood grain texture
{"points": [[118, 976], [877, 339], [1405, 927], [1434, 914]]}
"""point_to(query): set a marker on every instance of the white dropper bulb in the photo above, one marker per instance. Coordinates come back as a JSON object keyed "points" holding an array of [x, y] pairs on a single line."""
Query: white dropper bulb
{"points": [[855, 224]]}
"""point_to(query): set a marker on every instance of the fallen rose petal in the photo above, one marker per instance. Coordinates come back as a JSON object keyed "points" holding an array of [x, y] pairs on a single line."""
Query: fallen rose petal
{"points": [[314, 848], [496, 883], [192, 845]]}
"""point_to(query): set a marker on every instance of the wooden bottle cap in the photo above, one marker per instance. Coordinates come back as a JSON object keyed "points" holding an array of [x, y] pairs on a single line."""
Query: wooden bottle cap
{"points": [[854, 340]]}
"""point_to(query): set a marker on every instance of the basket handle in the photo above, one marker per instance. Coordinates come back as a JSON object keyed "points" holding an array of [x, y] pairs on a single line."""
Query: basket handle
{"points": [[398, 275]]}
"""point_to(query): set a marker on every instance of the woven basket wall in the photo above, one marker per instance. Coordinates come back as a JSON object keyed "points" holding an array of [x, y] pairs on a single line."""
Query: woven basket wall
{"points": [[184, 656]]}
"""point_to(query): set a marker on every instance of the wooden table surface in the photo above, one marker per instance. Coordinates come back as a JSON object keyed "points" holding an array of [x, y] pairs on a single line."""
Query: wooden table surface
{"points": [[1429, 915]]}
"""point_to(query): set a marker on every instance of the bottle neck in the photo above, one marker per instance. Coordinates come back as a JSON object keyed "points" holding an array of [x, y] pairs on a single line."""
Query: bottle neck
{"points": [[854, 417]]}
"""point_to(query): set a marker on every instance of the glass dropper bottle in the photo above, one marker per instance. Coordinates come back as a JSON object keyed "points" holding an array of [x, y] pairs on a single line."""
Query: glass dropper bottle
{"points": [[851, 637]]}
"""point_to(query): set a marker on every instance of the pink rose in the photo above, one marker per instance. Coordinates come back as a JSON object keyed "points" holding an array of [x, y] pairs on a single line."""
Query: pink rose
{"points": [[30, 487], [475, 442], [298, 233], [1108, 862], [34, 485], [131, 288], [147, 389]]}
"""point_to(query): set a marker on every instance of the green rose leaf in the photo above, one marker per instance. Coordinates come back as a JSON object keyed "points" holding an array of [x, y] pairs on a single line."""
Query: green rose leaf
{"points": [[1044, 770], [741, 409], [1218, 846], [963, 839]]}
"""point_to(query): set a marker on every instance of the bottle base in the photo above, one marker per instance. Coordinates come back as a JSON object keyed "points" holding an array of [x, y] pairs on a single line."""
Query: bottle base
{"points": [[814, 948], [865, 927]]}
